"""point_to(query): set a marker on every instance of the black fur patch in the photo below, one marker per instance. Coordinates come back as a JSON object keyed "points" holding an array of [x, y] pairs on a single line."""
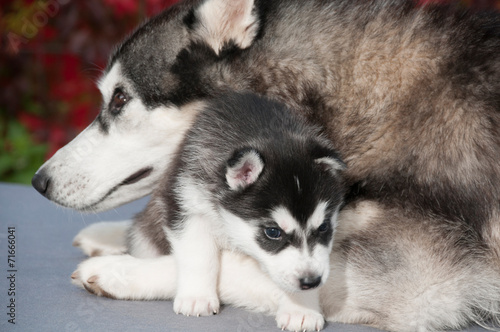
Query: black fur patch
{"points": [[102, 123], [150, 223], [190, 19], [187, 68], [230, 50], [175, 216], [264, 9], [320, 238], [275, 246], [314, 238]]}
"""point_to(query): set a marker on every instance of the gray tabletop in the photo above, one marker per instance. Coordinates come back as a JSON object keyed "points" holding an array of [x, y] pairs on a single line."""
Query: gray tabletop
{"points": [[45, 299]]}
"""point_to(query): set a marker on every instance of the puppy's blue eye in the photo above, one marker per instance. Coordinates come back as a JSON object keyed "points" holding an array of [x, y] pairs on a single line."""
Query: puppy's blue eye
{"points": [[324, 227], [273, 233]]}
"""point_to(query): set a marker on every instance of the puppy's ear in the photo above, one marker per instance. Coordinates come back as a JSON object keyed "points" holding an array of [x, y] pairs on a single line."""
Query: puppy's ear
{"points": [[220, 22], [244, 168], [328, 159], [331, 164]]}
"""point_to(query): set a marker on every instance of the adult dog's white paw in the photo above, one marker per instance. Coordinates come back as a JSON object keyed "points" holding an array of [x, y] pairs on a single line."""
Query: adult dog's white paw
{"points": [[196, 306], [103, 238], [300, 320], [127, 278], [106, 276]]}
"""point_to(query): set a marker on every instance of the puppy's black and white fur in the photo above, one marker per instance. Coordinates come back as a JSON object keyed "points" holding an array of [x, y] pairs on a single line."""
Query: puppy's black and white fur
{"points": [[249, 176]]}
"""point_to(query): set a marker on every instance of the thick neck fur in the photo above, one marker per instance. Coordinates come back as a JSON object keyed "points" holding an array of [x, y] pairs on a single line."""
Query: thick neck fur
{"points": [[356, 76]]}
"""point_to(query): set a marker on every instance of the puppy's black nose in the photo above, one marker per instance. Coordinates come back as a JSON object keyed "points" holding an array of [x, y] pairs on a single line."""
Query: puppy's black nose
{"points": [[309, 282], [40, 182]]}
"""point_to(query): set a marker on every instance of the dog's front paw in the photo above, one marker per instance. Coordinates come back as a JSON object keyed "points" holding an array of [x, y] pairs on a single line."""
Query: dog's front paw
{"points": [[105, 276], [103, 238], [303, 320], [92, 285], [127, 278], [196, 306]]}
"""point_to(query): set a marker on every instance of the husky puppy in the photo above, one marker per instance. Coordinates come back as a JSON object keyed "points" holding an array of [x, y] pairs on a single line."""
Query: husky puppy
{"points": [[249, 176], [409, 96]]}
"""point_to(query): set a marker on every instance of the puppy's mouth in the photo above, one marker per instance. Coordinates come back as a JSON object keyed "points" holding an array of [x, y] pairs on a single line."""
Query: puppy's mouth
{"points": [[137, 176]]}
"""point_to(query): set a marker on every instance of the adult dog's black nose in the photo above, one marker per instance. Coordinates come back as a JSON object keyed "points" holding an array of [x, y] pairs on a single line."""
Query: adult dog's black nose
{"points": [[309, 282], [40, 182]]}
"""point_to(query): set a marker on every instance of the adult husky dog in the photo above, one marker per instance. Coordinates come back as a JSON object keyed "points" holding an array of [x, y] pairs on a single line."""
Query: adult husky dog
{"points": [[409, 96]]}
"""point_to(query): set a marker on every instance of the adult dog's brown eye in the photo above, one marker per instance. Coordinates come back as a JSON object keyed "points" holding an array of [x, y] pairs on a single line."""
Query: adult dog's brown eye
{"points": [[118, 101]]}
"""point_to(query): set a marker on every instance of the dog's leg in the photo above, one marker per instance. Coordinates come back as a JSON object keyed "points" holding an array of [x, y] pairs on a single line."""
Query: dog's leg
{"points": [[242, 283], [128, 278], [103, 238], [125, 277], [197, 258], [300, 312]]}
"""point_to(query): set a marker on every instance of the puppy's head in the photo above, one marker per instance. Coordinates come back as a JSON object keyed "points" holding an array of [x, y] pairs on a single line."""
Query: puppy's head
{"points": [[281, 208]]}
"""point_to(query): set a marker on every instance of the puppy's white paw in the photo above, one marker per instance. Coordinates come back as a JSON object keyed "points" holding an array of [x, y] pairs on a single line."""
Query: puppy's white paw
{"points": [[196, 306], [127, 278], [103, 238], [302, 320]]}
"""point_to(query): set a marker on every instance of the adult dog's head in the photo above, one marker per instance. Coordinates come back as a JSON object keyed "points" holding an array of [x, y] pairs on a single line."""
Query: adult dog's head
{"points": [[154, 85]]}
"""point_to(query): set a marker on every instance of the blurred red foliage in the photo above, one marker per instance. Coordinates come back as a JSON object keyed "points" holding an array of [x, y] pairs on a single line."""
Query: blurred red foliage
{"points": [[51, 52]]}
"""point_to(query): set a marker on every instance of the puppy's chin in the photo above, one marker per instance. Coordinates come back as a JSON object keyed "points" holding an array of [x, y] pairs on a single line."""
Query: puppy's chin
{"points": [[288, 284]]}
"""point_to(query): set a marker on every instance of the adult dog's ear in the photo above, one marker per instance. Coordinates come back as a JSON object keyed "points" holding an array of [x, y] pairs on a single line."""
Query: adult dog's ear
{"points": [[223, 22], [244, 168]]}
